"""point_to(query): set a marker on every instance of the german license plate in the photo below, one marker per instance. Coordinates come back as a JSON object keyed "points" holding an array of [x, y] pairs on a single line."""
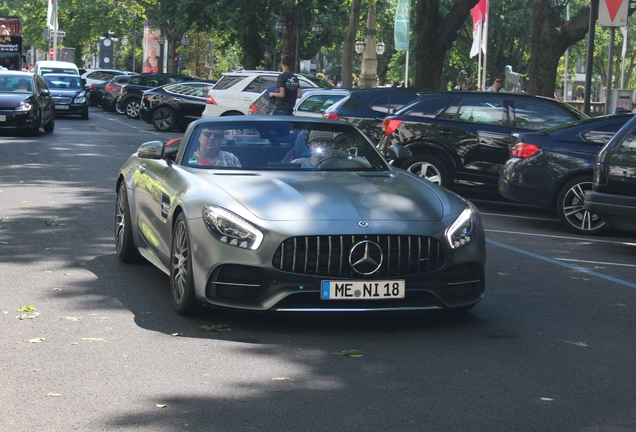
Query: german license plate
{"points": [[362, 290], [61, 107], [3, 118]]}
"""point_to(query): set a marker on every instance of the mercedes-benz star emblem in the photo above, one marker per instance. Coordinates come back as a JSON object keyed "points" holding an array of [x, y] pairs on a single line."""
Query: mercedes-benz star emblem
{"points": [[363, 224], [366, 257]]}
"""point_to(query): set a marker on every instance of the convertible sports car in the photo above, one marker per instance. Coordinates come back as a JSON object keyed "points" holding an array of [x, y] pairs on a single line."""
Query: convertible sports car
{"points": [[293, 214]]}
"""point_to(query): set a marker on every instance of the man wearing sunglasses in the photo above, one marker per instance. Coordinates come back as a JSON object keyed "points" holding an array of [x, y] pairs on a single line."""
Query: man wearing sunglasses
{"points": [[210, 153], [320, 144], [496, 86]]}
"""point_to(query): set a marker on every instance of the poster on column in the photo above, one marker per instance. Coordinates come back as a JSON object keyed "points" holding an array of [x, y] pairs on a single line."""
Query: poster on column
{"points": [[612, 13], [152, 52]]}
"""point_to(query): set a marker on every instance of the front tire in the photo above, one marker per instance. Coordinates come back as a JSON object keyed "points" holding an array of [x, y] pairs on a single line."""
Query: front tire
{"points": [[50, 126], [570, 208], [119, 109], [430, 168], [35, 127], [126, 250], [164, 119], [181, 279], [85, 114], [131, 108]]}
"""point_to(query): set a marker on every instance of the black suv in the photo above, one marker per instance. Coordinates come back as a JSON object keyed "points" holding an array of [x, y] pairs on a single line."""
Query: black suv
{"points": [[367, 108], [131, 94], [463, 137], [614, 189]]}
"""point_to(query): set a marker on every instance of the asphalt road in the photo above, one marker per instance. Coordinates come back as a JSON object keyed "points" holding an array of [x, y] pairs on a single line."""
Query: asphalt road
{"points": [[550, 348]]}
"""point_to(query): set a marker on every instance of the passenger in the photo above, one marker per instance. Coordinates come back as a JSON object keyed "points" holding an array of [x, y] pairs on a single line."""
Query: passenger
{"points": [[23, 85], [209, 152], [73, 84], [320, 144]]}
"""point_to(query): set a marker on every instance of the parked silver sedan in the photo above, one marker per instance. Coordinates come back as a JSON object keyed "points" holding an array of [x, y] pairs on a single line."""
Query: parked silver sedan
{"points": [[294, 214]]}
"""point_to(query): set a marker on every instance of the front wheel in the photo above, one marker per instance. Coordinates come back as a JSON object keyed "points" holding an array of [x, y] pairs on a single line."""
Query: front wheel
{"points": [[430, 168], [50, 126], [181, 279], [119, 108], [131, 108], [124, 245], [164, 119], [570, 208]]}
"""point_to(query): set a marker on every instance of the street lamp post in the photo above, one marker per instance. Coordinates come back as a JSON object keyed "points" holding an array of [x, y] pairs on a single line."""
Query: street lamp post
{"points": [[270, 54]]}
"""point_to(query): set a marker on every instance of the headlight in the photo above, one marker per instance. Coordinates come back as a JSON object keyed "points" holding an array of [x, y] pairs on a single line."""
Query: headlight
{"points": [[461, 232], [24, 106], [79, 100], [230, 228]]}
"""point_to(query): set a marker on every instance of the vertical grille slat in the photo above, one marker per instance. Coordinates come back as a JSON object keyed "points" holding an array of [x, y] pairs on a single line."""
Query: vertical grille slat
{"points": [[328, 256]]}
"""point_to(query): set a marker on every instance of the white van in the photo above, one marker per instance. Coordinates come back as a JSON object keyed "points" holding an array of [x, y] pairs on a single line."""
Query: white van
{"points": [[43, 67]]}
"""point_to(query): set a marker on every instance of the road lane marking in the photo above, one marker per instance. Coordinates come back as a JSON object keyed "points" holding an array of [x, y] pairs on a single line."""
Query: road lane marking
{"points": [[520, 217], [126, 124], [586, 239], [562, 264], [596, 262]]}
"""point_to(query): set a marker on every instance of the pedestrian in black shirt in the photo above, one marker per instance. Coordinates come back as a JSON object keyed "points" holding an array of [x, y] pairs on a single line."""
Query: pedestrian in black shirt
{"points": [[288, 89]]}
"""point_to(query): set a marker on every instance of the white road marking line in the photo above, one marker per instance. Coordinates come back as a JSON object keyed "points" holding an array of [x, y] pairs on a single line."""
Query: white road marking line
{"points": [[586, 239], [595, 262], [520, 217]]}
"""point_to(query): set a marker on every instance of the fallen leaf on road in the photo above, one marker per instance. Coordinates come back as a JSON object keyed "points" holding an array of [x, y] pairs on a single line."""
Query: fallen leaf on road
{"points": [[351, 353], [161, 405], [28, 315], [36, 340], [177, 334], [71, 318], [581, 344], [94, 339], [282, 379], [502, 274], [51, 394], [27, 309]]}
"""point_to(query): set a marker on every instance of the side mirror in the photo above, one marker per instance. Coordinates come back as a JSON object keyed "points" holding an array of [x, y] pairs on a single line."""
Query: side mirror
{"points": [[150, 150], [397, 152], [45, 92]]}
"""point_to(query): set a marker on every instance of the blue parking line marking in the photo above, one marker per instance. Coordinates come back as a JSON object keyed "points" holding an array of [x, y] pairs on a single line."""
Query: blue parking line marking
{"points": [[553, 261]]}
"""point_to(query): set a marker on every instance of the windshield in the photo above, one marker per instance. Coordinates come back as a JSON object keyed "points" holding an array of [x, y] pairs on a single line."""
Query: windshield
{"points": [[62, 82], [15, 84], [280, 145]]}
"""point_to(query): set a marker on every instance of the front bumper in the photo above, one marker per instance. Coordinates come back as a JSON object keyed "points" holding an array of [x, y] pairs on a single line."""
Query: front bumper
{"points": [[17, 120]]}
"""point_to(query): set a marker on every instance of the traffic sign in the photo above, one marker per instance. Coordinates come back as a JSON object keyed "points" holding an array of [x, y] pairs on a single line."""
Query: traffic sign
{"points": [[51, 52]]}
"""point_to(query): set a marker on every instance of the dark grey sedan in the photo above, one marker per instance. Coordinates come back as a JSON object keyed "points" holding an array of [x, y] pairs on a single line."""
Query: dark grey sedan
{"points": [[237, 223], [25, 103]]}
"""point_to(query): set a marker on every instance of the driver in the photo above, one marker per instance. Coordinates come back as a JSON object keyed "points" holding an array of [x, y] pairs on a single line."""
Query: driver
{"points": [[209, 152], [320, 144]]}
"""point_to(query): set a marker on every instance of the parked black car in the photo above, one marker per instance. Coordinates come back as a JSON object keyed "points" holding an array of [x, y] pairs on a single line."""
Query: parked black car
{"points": [[174, 105], [464, 137], [112, 91], [70, 97], [367, 108], [97, 79], [614, 188], [25, 102], [553, 168], [131, 94]]}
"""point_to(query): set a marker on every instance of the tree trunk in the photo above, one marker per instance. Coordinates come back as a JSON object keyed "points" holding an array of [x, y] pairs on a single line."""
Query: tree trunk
{"points": [[250, 54], [349, 42], [435, 37], [551, 36]]}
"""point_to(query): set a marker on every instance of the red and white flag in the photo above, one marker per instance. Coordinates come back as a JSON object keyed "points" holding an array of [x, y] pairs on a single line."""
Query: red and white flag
{"points": [[51, 14], [480, 27]]}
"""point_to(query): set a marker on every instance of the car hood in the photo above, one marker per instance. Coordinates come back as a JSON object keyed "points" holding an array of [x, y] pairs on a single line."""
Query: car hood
{"points": [[277, 196], [64, 93], [11, 101]]}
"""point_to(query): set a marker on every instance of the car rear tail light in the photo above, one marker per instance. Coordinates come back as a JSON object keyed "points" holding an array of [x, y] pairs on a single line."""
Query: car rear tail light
{"points": [[210, 100], [109, 87], [524, 150], [252, 108], [331, 116], [93, 88], [390, 125]]}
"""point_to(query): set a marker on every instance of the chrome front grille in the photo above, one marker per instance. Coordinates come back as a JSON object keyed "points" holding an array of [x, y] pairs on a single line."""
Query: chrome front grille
{"points": [[62, 100], [328, 256]]}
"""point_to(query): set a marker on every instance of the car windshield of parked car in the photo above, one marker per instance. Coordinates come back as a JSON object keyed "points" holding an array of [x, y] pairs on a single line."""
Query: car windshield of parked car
{"points": [[16, 84], [280, 145], [63, 82]]}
